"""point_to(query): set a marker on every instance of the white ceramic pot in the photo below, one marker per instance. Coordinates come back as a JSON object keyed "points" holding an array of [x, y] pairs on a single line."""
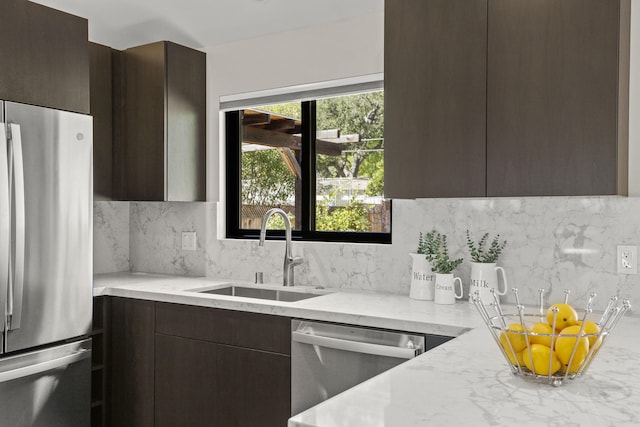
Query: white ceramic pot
{"points": [[484, 276], [422, 278], [445, 292]]}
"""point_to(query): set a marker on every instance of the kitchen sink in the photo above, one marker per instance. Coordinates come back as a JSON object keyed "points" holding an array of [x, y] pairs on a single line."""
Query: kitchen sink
{"points": [[259, 293]]}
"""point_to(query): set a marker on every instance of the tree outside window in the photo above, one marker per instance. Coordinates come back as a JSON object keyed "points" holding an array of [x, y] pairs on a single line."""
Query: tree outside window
{"points": [[349, 164]]}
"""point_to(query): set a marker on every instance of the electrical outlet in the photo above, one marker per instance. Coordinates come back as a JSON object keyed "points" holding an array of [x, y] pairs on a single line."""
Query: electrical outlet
{"points": [[189, 242], [627, 259]]}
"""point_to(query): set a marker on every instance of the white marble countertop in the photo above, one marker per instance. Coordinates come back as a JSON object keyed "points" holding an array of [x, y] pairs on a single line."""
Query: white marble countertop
{"points": [[463, 382], [356, 308]]}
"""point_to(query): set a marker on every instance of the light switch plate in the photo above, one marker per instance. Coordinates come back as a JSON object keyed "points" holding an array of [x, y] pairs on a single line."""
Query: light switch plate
{"points": [[627, 259], [189, 241]]}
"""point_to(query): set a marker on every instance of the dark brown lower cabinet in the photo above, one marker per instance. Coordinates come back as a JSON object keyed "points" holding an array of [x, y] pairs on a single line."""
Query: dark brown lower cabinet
{"points": [[132, 369], [186, 382], [99, 334], [255, 387], [181, 365]]}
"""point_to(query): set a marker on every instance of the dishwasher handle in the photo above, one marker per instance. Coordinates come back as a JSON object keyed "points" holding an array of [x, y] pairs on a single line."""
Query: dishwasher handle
{"points": [[355, 346]]}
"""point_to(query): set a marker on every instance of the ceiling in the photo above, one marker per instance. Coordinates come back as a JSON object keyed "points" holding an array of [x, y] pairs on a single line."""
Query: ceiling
{"points": [[204, 23]]}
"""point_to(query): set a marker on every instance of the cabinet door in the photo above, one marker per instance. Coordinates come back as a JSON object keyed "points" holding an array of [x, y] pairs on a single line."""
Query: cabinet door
{"points": [[145, 77], [99, 347], [131, 359], [552, 97], [186, 124], [165, 123], [102, 112], [254, 386], [435, 98], [186, 382], [45, 57]]}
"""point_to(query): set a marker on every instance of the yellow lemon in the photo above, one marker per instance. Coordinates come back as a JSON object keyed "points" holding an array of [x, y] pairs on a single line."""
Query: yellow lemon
{"points": [[515, 336], [591, 328], [541, 334], [567, 316], [517, 359], [544, 360], [566, 342]]}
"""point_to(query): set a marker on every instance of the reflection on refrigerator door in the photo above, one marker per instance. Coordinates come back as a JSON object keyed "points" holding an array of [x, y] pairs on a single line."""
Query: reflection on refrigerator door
{"points": [[50, 168], [48, 388], [46, 220]]}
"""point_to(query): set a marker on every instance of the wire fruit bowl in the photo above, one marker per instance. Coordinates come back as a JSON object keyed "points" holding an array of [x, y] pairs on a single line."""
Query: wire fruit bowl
{"points": [[546, 346]]}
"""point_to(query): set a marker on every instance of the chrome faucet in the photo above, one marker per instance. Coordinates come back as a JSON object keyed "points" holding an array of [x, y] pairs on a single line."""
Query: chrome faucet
{"points": [[289, 260]]}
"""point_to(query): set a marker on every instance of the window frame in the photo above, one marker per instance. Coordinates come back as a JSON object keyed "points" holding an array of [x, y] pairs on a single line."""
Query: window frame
{"points": [[233, 188]]}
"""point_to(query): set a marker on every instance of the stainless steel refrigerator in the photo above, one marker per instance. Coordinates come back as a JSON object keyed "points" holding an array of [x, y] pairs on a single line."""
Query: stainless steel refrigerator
{"points": [[45, 266]]}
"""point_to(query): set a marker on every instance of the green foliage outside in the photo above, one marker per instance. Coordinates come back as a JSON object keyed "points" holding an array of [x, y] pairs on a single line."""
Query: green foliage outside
{"points": [[352, 217], [360, 114], [267, 181], [277, 223]]}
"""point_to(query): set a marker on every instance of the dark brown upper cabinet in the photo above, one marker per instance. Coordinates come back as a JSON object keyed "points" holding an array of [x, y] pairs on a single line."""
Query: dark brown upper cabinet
{"points": [[102, 111], [557, 97], [164, 124], [435, 98], [506, 97], [45, 57]]}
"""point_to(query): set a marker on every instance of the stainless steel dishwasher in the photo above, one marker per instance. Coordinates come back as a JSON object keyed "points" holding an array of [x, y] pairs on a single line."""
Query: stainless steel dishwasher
{"points": [[327, 359]]}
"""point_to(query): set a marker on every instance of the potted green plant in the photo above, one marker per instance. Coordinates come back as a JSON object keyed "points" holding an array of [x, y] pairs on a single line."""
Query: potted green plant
{"points": [[443, 265], [484, 269], [422, 278]]}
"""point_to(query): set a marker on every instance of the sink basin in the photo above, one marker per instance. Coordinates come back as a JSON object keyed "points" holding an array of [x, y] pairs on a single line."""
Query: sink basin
{"points": [[259, 293]]}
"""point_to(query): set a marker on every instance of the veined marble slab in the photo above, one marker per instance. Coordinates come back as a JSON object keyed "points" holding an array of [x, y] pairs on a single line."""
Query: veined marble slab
{"points": [[553, 243]]}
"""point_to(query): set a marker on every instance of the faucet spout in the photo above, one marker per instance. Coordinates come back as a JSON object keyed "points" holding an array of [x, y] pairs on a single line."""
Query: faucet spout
{"points": [[289, 260]]}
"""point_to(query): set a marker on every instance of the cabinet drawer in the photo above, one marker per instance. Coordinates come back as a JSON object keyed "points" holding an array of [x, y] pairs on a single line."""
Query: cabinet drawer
{"points": [[237, 328]]}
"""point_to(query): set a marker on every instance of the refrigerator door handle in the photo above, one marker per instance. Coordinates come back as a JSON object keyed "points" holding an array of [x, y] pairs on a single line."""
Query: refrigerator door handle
{"points": [[48, 365], [16, 176], [5, 225]]}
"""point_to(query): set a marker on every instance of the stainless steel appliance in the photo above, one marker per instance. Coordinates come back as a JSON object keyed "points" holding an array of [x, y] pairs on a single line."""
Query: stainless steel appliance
{"points": [[45, 266], [327, 359]]}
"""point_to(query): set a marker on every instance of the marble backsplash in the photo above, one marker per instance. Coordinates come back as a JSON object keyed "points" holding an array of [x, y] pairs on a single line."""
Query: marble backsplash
{"points": [[110, 237], [156, 237], [553, 243]]}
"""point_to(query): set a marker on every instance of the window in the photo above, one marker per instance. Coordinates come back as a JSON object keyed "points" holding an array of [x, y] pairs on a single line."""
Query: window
{"points": [[331, 185]]}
